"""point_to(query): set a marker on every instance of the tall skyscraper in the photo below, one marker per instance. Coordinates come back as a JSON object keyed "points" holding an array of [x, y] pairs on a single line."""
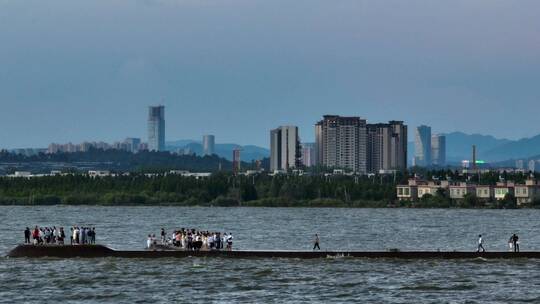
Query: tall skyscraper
{"points": [[342, 143], [438, 150], [422, 146], [156, 128], [284, 148], [386, 146], [208, 144], [236, 160]]}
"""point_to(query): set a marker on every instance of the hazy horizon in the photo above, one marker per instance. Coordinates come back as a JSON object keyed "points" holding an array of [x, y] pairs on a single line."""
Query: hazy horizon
{"points": [[85, 71]]}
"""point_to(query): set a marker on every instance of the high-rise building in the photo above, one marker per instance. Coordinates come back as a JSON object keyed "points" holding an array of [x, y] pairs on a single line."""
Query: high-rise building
{"points": [[156, 128], [236, 160], [209, 142], [532, 165], [132, 144], [341, 143], [386, 146], [438, 150], [519, 164], [308, 154], [284, 148], [422, 146]]}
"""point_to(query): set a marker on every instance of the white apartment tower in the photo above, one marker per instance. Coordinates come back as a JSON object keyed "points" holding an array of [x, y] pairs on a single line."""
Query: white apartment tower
{"points": [[284, 148], [209, 142], [341, 142]]}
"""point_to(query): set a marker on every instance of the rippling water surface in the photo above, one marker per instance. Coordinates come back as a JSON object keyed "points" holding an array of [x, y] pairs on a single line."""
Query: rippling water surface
{"points": [[204, 280]]}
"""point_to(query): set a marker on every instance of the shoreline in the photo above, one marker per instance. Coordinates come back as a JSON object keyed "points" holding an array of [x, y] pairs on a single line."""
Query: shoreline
{"points": [[291, 205]]}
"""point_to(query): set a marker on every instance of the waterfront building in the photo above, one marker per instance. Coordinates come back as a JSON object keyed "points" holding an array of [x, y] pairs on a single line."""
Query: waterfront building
{"points": [[459, 190], [485, 192], [386, 146], [342, 143], [524, 194], [502, 189], [156, 128], [308, 154], [438, 150], [422, 145], [527, 193], [284, 148], [209, 144]]}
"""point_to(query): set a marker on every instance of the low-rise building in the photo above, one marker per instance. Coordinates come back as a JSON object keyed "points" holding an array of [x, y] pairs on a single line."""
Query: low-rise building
{"points": [[485, 192], [524, 193], [502, 189], [527, 193], [408, 192], [459, 190]]}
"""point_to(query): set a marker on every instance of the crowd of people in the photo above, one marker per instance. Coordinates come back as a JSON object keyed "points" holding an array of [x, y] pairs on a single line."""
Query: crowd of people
{"points": [[53, 235], [192, 240]]}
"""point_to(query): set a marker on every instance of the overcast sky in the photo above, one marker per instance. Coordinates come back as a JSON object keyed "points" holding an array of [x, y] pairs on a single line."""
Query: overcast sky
{"points": [[87, 70]]}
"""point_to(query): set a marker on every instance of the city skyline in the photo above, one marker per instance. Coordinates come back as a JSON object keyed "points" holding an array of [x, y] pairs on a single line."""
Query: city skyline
{"points": [[82, 83]]}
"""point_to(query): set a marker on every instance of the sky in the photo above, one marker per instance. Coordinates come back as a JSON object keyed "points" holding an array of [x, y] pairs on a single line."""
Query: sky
{"points": [[88, 70]]}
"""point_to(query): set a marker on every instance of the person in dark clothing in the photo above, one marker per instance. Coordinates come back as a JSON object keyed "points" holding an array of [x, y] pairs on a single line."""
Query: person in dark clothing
{"points": [[27, 235], [316, 242], [163, 236], [189, 242], [218, 241], [62, 236], [515, 242]]}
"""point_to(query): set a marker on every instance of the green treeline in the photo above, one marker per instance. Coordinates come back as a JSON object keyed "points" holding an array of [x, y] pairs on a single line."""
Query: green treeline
{"points": [[225, 189], [220, 189]]}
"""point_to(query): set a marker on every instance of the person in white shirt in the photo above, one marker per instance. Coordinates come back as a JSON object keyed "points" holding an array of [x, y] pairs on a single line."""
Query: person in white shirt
{"points": [[76, 235], [149, 242], [480, 244]]}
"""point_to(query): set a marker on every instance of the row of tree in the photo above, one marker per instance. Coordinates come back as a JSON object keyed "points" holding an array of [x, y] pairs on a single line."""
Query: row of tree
{"points": [[219, 189]]}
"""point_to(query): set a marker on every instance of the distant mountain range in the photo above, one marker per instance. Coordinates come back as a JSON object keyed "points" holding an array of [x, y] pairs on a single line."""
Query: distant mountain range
{"points": [[488, 148], [249, 152]]}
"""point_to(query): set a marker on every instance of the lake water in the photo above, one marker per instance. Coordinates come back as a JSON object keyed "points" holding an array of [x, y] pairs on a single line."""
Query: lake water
{"points": [[204, 280]]}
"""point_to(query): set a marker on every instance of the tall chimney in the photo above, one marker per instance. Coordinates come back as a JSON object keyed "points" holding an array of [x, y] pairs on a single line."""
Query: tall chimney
{"points": [[474, 157]]}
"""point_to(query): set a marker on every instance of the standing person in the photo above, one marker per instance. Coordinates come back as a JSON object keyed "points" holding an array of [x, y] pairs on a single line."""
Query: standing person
{"points": [[82, 235], [149, 242], [35, 235], [62, 236], [76, 235], [480, 244], [515, 242], [93, 235], [229, 242], [27, 235], [163, 235], [316, 242]]}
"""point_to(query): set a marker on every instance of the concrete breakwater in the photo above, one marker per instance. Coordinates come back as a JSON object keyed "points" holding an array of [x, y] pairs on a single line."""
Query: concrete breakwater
{"points": [[100, 251]]}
